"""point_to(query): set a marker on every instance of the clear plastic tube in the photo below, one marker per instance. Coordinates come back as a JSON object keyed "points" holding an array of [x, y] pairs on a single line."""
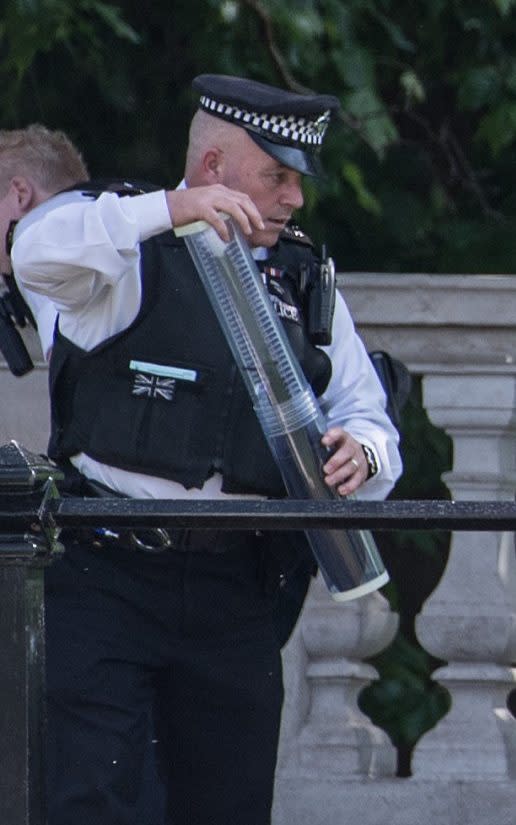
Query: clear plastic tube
{"points": [[283, 400]]}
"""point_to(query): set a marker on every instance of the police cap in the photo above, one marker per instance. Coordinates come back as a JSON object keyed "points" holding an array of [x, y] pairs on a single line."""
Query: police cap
{"points": [[288, 126]]}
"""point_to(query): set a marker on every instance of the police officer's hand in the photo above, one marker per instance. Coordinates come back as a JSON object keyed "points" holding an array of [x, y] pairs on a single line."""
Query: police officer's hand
{"points": [[347, 468], [204, 203]]}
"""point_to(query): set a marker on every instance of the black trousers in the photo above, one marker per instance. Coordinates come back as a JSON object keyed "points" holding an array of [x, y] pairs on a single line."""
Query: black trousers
{"points": [[177, 649]]}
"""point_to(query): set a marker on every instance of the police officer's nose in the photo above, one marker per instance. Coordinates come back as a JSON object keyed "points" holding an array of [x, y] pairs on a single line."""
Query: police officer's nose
{"points": [[293, 195]]}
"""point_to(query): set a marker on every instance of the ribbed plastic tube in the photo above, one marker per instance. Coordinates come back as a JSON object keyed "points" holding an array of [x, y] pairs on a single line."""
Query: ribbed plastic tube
{"points": [[284, 402]]}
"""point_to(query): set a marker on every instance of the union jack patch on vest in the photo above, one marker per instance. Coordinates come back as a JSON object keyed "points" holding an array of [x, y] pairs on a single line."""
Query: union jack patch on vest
{"points": [[152, 386]]}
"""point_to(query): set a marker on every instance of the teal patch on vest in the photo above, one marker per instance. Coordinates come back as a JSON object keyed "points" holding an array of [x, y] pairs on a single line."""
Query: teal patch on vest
{"points": [[161, 369]]}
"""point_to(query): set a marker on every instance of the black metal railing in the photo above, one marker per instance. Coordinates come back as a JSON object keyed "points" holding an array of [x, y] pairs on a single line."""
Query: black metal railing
{"points": [[31, 515]]}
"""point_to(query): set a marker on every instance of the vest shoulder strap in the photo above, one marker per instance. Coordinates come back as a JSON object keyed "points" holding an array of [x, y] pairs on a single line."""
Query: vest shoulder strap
{"points": [[95, 188]]}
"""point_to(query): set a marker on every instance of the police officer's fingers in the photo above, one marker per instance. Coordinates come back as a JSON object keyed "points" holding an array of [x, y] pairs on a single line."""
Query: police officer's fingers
{"points": [[341, 447], [347, 468], [197, 204], [351, 470], [245, 214], [351, 486], [349, 477], [334, 435], [207, 202], [218, 223], [238, 205]]}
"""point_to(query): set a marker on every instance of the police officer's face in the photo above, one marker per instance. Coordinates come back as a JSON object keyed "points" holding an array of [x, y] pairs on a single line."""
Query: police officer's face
{"points": [[275, 189]]}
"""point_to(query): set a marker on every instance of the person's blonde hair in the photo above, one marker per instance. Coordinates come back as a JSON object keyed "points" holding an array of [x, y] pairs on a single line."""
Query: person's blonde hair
{"points": [[47, 157]]}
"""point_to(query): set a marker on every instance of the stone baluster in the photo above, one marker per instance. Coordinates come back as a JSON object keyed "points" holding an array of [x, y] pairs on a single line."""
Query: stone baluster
{"points": [[337, 737], [326, 728], [470, 619]]}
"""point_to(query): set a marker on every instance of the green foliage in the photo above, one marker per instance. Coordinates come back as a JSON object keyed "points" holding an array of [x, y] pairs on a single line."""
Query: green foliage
{"points": [[33, 27], [421, 162], [352, 174], [405, 702], [498, 127]]}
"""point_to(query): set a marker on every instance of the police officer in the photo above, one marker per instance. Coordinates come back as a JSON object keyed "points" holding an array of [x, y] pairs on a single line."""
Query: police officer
{"points": [[147, 402]]}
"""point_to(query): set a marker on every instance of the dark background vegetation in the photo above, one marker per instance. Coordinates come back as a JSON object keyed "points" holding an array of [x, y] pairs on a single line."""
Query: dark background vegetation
{"points": [[421, 172]]}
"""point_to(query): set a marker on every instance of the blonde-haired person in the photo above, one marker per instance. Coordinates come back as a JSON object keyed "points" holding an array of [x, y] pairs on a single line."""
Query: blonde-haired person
{"points": [[46, 158], [35, 164]]}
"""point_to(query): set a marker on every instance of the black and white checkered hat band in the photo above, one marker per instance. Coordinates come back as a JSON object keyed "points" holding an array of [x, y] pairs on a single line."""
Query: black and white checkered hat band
{"points": [[289, 128]]}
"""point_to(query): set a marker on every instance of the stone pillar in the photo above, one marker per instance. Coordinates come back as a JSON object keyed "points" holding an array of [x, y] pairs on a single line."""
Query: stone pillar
{"points": [[470, 619]]}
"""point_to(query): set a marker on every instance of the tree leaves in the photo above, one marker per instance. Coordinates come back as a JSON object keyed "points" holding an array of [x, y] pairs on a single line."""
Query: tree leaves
{"points": [[31, 28], [498, 127], [433, 85], [504, 6]]}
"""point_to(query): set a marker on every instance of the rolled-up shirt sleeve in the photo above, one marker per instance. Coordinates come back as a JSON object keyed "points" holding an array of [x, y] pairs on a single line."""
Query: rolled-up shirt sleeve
{"points": [[355, 400], [71, 251]]}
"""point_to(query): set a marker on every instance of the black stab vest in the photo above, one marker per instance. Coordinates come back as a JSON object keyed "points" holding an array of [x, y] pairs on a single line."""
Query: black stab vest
{"points": [[164, 397]]}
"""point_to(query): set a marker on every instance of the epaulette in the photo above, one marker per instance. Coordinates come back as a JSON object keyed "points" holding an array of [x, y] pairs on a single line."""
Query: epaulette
{"points": [[292, 232]]}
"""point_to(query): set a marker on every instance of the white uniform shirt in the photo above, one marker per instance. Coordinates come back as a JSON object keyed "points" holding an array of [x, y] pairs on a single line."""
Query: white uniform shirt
{"points": [[84, 255]]}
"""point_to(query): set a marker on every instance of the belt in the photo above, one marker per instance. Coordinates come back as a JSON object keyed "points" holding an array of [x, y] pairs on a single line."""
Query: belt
{"points": [[155, 539], [159, 540]]}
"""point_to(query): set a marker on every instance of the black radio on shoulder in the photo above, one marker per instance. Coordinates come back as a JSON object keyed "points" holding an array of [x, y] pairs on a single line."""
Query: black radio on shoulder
{"points": [[321, 301]]}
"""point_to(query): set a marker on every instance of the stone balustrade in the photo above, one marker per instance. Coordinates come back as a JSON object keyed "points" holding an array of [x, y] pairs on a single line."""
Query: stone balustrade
{"points": [[459, 334]]}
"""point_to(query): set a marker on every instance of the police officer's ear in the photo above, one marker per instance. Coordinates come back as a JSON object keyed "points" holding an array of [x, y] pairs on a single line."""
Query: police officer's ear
{"points": [[213, 165], [22, 194]]}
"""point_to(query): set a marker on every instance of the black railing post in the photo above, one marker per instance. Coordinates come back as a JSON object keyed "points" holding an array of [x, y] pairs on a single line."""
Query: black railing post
{"points": [[25, 482]]}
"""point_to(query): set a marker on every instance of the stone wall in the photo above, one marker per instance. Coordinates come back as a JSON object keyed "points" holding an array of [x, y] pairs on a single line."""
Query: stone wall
{"points": [[24, 408]]}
